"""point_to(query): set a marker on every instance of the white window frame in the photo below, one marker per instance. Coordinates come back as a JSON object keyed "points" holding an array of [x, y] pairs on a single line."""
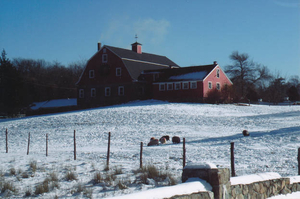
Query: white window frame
{"points": [[218, 73], [121, 91], [218, 86], [184, 84], [169, 86], [81, 93], [107, 91], [93, 92], [177, 86], [104, 58], [193, 83], [118, 72], [209, 85], [162, 87], [91, 73]]}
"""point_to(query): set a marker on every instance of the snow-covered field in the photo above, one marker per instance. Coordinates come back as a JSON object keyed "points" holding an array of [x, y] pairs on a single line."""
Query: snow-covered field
{"points": [[208, 129]]}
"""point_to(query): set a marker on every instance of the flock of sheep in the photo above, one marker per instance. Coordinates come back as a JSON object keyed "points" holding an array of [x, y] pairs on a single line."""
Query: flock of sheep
{"points": [[163, 140]]}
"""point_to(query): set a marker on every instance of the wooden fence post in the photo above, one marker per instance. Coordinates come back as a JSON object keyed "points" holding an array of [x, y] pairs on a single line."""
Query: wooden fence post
{"points": [[6, 135], [108, 152], [232, 159], [74, 145], [184, 157], [46, 144], [28, 143], [298, 161], [141, 156]]}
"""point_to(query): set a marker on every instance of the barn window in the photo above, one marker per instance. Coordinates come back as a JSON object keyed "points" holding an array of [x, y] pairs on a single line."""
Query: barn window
{"points": [[177, 86], [218, 73], [104, 50], [209, 85], [93, 92], [118, 71], [170, 86], [155, 77], [104, 58], [161, 87], [193, 85], [185, 85], [121, 90], [107, 91], [218, 86], [91, 73], [81, 93]]}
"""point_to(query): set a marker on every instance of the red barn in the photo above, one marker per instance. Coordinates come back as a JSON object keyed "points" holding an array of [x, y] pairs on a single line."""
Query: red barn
{"points": [[186, 83], [115, 75], [111, 76]]}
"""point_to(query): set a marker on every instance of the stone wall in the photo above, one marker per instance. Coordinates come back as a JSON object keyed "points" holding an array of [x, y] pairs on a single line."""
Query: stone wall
{"points": [[219, 178], [199, 195]]}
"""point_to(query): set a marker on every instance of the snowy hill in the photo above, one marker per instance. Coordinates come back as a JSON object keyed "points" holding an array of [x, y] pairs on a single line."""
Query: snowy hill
{"points": [[271, 147]]}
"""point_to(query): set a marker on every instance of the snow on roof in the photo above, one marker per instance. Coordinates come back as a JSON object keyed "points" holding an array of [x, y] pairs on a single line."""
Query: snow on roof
{"points": [[200, 165], [193, 185], [248, 179], [54, 103], [190, 76]]}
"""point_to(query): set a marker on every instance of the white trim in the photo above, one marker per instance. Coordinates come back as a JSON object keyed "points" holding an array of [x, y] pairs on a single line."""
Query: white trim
{"points": [[191, 85], [93, 90], [183, 83], [210, 72], [103, 57], [218, 72], [210, 83], [121, 88], [160, 87], [218, 83], [145, 62], [107, 91], [118, 72], [177, 83], [91, 74], [171, 86]]}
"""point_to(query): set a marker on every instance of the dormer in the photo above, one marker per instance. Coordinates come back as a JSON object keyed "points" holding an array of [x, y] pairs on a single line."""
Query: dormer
{"points": [[137, 47]]}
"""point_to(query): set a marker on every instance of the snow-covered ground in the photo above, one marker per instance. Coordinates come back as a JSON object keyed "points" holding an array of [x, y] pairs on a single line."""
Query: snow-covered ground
{"points": [[208, 129]]}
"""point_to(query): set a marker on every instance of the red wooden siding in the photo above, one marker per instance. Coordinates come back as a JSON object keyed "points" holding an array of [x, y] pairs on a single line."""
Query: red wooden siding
{"points": [[212, 77], [182, 94]]}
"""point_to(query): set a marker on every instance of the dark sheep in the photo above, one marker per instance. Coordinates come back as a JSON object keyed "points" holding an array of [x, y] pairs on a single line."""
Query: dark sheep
{"points": [[167, 137], [162, 140], [175, 140], [153, 142], [245, 133]]}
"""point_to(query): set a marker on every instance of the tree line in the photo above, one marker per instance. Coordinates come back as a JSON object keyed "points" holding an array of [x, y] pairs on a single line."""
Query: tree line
{"points": [[24, 81], [253, 81]]}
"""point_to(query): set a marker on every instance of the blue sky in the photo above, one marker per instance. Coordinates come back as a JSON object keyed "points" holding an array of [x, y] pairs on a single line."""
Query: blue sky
{"points": [[189, 32]]}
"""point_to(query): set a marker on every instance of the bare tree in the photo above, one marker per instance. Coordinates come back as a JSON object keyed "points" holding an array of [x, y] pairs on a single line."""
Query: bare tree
{"points": [[240, 71], [246, 75]]}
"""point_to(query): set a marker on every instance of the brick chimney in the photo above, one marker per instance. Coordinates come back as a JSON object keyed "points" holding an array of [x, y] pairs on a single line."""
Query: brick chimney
{"points": [[99, 46], [137, 47]]}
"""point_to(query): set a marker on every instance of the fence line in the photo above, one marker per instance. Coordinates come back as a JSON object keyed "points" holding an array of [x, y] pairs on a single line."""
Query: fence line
{"points": [[232, 159]]}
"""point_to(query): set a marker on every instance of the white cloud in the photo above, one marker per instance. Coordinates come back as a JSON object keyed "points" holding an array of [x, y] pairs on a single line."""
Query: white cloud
{"points": [[121, 31], [152, 30]]}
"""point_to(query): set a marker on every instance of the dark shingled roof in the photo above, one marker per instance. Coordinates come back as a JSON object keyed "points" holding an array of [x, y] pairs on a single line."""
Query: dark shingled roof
{"points": [[136, 63]]}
